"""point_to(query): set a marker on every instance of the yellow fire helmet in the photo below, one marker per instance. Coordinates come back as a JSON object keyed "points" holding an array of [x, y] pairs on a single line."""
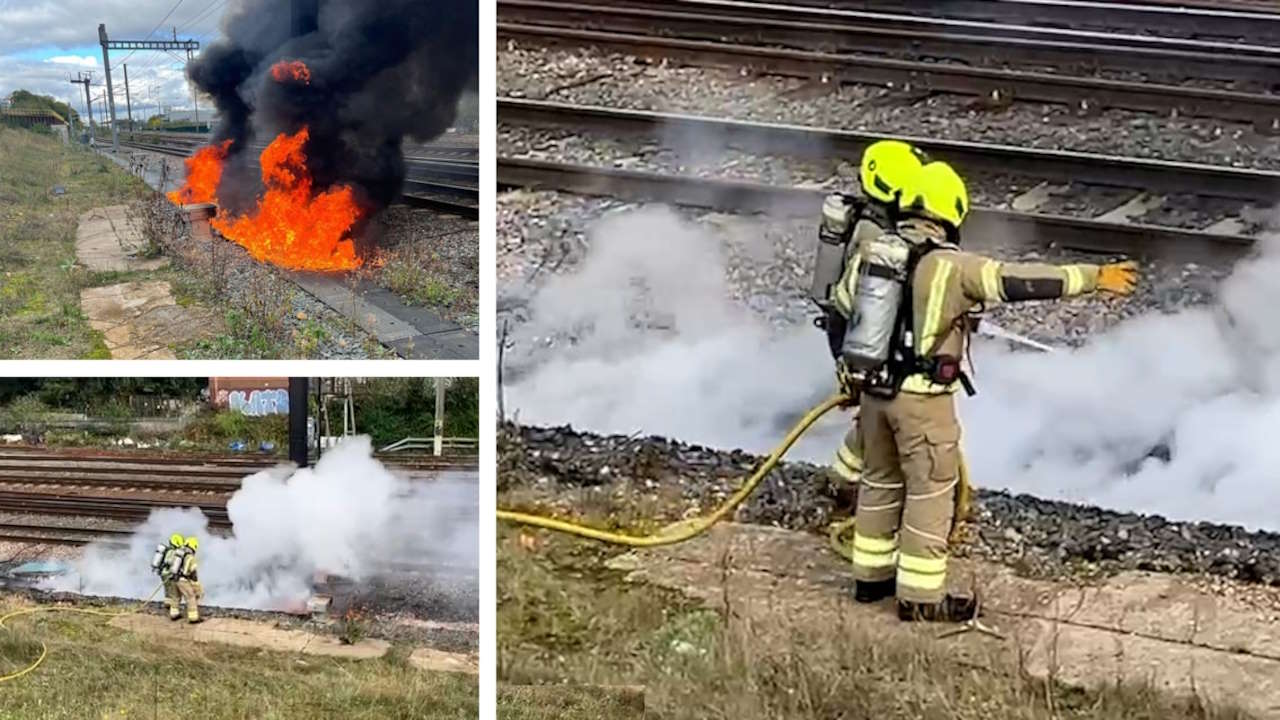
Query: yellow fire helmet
{"points": [[887, 167], [937, 193], [175, 540], [193, 543]]}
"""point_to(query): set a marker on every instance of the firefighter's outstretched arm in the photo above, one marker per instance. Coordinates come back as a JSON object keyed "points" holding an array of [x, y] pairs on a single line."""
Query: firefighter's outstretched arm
{"points": [[985, 279]]}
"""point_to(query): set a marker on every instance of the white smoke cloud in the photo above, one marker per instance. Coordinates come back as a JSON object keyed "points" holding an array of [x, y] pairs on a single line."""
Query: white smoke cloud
{"points": [[659, 348], [1087, 425], [347, 515]]}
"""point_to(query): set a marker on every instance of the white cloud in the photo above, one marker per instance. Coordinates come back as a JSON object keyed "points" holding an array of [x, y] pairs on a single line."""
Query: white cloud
{"points": [[84, 61]]}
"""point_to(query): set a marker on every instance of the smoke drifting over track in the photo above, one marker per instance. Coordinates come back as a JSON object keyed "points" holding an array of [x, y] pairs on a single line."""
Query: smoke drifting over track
{"points": [[1170, 414], [348, 515], [377, 72]]}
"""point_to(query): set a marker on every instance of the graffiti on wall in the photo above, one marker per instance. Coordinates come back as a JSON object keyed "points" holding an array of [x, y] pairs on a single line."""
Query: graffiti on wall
{"points": [[259, 402]]}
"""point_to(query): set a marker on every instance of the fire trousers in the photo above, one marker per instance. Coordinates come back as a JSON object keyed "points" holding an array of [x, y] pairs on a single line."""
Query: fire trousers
{"points": [[172, 599], [191, 594], [906, 499]]}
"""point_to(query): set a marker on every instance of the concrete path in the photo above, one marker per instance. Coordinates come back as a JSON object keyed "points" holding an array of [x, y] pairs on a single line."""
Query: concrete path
{"points": [[266, 636], [141, 320], [247, 633], [412, 332], [107, 241], [441, 661], [1137, 627]]}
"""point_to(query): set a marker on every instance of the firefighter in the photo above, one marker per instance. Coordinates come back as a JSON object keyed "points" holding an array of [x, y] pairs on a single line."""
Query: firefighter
{"points": [[847, 221], [167, 565], [908, 418], [189, 581]]}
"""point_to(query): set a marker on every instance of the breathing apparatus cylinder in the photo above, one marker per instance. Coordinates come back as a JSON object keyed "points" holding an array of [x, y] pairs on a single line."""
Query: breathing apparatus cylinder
{"points": [[833, 239], [157, 559], [880, 289], [174, 568]]}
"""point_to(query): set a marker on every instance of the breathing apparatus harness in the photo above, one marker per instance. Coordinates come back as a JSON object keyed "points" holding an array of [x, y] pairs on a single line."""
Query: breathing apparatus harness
{"points": [[879, 346]]}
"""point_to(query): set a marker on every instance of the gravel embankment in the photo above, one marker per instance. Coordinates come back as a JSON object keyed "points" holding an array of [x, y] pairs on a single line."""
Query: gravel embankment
{"points": [[430, 260], [560, 468], [592, 76]]}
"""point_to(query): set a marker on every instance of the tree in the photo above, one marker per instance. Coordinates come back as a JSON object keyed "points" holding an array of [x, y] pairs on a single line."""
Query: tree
{"points": [[24, 100]]}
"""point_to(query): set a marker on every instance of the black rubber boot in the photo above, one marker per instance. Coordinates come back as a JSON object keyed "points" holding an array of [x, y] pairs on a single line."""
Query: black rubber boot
{"points": [[197, 621], [869, 592], [951, 609]]}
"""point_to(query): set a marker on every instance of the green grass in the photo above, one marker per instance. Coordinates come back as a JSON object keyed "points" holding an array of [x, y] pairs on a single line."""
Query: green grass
{"points": [[417, 284], [565, 619], [550, 702], [39, 284], [97, 671]]}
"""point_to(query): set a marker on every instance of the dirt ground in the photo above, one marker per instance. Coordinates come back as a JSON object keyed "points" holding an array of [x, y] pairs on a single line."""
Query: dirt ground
{"points": [[757, 622]]}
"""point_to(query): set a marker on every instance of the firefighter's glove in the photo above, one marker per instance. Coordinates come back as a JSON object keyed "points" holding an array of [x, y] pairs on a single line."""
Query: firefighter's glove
{"points": [[847, 384], [1120, 278]]}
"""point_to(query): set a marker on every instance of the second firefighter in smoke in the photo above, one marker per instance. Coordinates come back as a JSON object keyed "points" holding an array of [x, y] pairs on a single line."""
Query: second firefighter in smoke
{"points": [[900, 300]]}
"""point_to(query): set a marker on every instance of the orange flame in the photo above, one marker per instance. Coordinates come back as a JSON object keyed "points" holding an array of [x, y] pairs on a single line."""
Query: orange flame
{"points": [[204, 172], [293, 226], [295, 70]]}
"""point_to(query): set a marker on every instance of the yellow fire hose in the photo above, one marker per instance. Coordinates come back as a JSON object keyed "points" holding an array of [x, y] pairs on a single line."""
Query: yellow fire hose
{"points": [[687, 529], [44, 649]]}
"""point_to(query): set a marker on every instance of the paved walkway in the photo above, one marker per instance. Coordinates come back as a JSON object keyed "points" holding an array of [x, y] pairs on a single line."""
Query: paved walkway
{"points": [[107, 241], [139, 319]]}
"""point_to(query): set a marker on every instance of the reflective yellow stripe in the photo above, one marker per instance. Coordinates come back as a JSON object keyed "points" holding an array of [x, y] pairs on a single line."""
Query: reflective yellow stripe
{"points": [[933, 309], [1075, 279], [845, 471], [871, 560], [849, 458], [877, 546], [921, 581], [923, 565], [991, 280]]}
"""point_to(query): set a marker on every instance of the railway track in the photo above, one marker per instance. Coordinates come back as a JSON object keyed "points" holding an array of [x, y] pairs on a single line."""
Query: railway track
{"points": [[437, 182], [48, 534], [995, 84], [912, 36], [985, 226], [125, 509], [1162, 176], [214, 465], [1191, 18]]}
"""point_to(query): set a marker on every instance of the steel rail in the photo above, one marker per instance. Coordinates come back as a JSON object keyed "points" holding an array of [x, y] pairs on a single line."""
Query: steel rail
{"points": [[985, 226], [130, 481], [1212, 18], [395, 460], [1164, 176], [998, 84], [917, 21], [57, 534], [843, 36]]}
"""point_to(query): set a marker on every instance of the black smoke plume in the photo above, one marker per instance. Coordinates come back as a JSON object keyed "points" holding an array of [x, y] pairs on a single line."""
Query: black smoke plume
{"points": [[381, 71]]}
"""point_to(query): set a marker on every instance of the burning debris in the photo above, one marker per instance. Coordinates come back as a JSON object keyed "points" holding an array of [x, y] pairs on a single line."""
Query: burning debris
{"points": [[339, 86], [295, 226]]}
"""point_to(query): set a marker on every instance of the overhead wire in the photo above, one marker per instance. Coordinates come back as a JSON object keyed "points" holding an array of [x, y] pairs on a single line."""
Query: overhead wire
{"points": [[153, 32]]}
